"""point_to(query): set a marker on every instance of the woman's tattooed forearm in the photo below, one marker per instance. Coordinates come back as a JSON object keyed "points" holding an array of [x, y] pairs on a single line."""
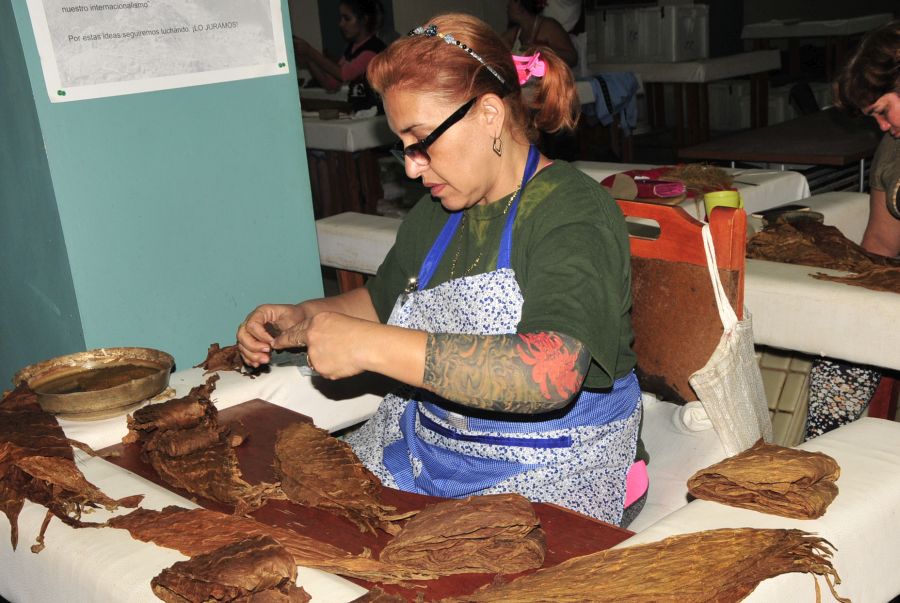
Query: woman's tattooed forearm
{"points": [[527, 373]]}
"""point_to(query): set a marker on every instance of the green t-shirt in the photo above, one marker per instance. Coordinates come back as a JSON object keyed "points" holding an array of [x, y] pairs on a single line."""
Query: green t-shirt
{"points": [[570, 254], [886, 164]]}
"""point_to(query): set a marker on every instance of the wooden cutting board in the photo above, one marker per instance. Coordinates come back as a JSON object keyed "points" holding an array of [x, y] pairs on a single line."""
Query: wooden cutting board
{"points": [[569, 534]]}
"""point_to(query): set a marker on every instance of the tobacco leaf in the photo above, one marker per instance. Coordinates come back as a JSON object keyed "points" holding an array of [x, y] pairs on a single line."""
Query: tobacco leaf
{"points": [[771, 479], [714, 565], [37, 464], [248, 570], [178, 413], [497, 533], [877, 278], [213, 472], [809, 243], [376, 595], [184, 443], [318, 470], [227, 359], [199, 531]]}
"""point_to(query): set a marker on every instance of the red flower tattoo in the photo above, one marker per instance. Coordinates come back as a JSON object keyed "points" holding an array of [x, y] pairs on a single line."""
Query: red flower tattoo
{"points": [[553, 363]]}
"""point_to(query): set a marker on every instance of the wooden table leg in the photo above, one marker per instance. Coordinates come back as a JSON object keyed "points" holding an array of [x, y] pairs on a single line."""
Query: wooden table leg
{"points": [[704, 112], [692, 100], [349, 280], [794, 58], [334, 202], [370, 178], [759, 100], [679, 114], [351, 189], [316, 184], [656, 104]]}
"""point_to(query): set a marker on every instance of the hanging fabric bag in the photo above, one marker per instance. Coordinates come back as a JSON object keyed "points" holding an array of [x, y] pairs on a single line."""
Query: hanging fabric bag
{"points": [[730, 386]]}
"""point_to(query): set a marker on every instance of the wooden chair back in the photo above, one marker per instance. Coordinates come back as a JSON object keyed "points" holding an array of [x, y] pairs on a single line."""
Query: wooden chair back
{"points": [[674, 314]]}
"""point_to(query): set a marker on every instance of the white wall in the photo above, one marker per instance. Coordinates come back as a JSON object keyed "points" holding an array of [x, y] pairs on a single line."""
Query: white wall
{"points": [[409, 14], [305, 21]]}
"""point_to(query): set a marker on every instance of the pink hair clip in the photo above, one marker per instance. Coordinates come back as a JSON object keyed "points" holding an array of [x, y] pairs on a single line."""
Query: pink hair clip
{"points": [[529, 67]]}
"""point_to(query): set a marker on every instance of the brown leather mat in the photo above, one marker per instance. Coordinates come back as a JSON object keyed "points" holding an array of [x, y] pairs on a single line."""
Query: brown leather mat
{"points": [[569, 534]]}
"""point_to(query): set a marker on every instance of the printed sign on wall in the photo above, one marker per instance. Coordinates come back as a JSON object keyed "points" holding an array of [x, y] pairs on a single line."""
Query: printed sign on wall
{"points": [[96, 49]]}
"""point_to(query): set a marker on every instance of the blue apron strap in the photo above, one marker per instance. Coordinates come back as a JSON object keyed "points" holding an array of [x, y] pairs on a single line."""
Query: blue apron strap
{"points": [[506, 242], [446, 235], [437, 250]]}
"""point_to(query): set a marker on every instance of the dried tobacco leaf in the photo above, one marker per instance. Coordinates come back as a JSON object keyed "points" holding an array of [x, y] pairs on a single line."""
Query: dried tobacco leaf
{"points": [[37, 464], [376, 595], [318, 470], [771, 479], [201, 531], [251, 569], [179, 413], [877, 278], [188, 449], [714, 565], [809, 243], [497, 533], [226, 359]]}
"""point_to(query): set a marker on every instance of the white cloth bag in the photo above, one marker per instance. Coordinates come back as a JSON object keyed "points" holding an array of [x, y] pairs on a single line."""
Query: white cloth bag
{"points": [[730, 386]]}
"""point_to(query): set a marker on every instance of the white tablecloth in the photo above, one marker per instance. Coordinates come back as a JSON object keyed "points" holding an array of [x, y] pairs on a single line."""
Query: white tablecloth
{"points": [[778, 28], [760, 189], [699, 71], [863, 522], [107, 564], [347, 134], [793, 311]]}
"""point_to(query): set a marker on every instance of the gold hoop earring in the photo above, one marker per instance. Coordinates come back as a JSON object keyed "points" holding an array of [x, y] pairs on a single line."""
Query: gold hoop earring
{"points": [[498, 146]]}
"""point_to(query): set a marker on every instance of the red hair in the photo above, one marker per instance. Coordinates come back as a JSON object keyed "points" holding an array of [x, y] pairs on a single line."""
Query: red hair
{"points": [[429, 64]]}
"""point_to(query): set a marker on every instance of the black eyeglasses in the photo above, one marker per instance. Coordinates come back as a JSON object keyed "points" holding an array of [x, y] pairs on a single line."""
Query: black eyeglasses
{"points": [[418, 151]]}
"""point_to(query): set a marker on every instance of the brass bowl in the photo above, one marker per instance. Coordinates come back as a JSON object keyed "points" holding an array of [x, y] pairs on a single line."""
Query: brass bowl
{"points": [[97, 384]]}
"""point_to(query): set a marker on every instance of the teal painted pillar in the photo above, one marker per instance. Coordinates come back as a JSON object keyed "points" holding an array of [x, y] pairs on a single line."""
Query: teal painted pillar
{"points": [[157, 219]]}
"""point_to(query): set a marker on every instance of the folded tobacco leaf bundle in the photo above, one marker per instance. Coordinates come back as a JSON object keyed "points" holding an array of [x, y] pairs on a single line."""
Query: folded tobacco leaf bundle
{"points": [[809, 243], [714, 565], [771, 479], [192, 410], [257, 568], [226, 359], [318, 470], [200, 531], [496, 533], [37, 464], [188, 449]]}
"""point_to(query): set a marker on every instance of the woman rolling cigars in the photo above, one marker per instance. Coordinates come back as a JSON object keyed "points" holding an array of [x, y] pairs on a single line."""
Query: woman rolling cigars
{"points": [[504, 304]]}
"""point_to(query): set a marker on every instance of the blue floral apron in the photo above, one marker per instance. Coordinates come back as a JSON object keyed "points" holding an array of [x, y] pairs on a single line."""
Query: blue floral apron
{"points": [[578, 460]]}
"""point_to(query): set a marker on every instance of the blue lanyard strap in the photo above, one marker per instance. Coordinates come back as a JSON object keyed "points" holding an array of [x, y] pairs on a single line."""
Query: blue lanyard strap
{"points": [[437, 250], [506, 242], [429, 266]]}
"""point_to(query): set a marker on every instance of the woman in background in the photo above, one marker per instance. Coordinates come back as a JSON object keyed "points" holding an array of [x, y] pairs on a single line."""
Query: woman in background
{"points": [[529, 29], [870, 83], [503, 307], [839, 392], [359, 22]]}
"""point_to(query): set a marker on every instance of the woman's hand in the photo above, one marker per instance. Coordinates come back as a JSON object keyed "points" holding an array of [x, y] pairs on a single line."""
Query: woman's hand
{"points": [[254, 341], [336, 343]]}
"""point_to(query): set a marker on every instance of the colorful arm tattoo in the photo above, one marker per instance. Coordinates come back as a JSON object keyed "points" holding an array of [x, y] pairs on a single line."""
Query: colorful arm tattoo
{"points": [[526, 373]]}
